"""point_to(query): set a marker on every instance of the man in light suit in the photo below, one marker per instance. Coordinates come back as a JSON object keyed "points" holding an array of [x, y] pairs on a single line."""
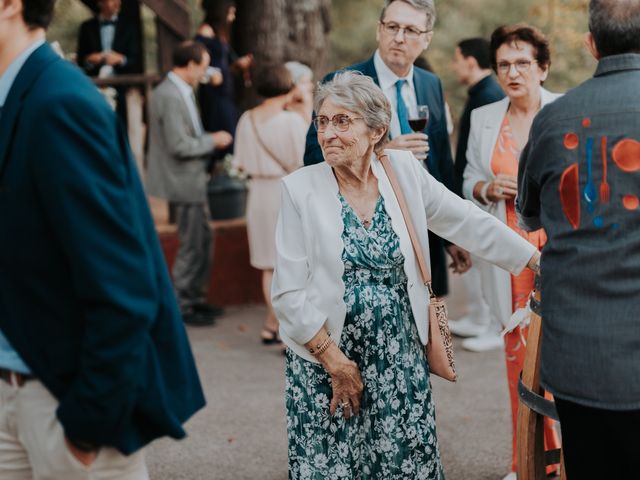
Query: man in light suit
{"points": [[178, 152], [404, 32], [94, 359]]}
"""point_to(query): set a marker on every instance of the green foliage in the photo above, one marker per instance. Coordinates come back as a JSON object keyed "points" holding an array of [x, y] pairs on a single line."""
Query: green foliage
{"points": [[68, 16], [354, 25]]}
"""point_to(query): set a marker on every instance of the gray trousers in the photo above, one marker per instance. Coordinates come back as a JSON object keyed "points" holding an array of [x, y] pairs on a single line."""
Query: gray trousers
{"points": [[195, 254]]}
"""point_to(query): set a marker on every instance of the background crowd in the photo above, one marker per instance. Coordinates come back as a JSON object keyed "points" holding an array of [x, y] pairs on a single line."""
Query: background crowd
{"points": [[335, 193]]}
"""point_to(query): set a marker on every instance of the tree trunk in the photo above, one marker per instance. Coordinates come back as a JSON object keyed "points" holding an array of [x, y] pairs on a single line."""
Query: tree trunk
{"points": [[281, 30]]}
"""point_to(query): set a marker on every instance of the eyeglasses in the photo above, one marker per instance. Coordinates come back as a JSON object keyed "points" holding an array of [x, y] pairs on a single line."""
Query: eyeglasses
{"points": [[392, 29], [340, 122], [522, 66]]}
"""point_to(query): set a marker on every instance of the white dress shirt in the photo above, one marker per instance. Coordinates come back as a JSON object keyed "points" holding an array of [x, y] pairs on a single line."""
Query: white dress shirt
{"points": [[187, 94], [107, 35], [387, 80]]}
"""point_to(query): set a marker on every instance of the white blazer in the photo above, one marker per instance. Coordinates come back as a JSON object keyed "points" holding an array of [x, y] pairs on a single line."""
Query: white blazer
{"points": [[485, 128], [307, 290]]}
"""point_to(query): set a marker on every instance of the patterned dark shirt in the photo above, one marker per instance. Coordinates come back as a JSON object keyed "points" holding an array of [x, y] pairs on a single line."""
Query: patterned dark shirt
{"points": [[579, 179]]}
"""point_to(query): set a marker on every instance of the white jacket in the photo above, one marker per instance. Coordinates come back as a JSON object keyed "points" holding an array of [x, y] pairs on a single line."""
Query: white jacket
{"points": [[307, 290], [485, 128]]}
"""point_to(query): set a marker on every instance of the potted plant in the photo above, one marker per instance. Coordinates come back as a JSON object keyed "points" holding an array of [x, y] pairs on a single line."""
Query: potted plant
{"points": [[227, 191]]}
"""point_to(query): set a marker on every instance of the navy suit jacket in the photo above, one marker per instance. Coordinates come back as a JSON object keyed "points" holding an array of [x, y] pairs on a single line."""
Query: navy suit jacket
{"points": [[85, 295], [126, 41], [428, 89]]}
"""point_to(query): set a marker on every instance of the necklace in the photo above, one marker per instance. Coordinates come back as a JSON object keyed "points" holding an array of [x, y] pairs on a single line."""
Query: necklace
{"points": [[365, 218], [359, 200]]}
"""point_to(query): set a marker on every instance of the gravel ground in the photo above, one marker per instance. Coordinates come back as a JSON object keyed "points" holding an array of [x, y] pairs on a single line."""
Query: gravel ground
{"points": [[241, 434]]}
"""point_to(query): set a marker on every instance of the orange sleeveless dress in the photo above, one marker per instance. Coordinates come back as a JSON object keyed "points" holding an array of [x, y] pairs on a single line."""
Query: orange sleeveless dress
{"points": [[505, 161]]}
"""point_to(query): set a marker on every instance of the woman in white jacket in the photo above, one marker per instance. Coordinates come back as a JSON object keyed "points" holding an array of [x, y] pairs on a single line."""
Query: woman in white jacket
{"points": [[348, 294], [499, 131]]}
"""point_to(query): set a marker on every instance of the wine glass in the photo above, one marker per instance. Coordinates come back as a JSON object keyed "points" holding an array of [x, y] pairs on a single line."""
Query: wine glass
{"points": [[419, 118]]}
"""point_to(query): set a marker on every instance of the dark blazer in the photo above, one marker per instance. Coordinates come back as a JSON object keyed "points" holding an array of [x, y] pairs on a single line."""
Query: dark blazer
{"points": [[484, 92], [439, 162], [217, 103], [126, 42], [85, 295]]}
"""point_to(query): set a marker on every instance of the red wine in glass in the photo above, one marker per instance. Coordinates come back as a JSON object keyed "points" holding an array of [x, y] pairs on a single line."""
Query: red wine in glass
{"points": [[418, 121], [417, 124]]}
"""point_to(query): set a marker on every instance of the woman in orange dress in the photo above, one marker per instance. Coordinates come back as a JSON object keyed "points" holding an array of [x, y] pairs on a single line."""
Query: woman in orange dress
{"points": [[499, 131]]}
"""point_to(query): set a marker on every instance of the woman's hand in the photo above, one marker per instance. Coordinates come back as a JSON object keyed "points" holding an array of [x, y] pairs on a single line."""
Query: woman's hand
{"points": [[347, 386], [504, 187], [346, 381]]}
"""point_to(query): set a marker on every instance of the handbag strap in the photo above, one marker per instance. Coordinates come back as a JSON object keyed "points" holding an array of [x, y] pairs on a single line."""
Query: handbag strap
{"points": [[397, 190], [264, 147]]}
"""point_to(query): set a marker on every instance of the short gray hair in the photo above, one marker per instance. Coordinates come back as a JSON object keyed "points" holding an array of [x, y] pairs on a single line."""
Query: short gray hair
{"points": [[298, 70], [426, 6], [615, 26], [358, 93]]}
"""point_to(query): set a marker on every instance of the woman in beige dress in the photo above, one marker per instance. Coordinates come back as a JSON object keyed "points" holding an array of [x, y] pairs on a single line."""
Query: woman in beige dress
{"points": [[269, 144]]}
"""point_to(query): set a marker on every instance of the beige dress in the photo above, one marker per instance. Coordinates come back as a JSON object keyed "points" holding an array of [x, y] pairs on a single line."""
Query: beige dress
{"points": [[284, 135]]}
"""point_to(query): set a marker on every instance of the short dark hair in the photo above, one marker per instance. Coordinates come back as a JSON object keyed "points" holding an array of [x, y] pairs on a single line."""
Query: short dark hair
{"points": [[37, 13], [615, 26], [273, 80], [187, 52], [477, 48], [521, 32]]}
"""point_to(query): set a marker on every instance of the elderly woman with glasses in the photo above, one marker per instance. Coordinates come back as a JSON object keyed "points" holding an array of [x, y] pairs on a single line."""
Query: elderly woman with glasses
{"points": [[499, 131], [348, 294]]}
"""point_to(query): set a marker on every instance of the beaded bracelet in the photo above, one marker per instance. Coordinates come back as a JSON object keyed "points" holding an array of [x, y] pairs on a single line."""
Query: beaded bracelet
{"points": [[483, 193], [322, 346]]}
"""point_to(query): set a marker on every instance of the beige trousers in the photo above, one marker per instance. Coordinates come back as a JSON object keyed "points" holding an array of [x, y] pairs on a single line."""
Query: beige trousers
{"points": [[32, 445]]}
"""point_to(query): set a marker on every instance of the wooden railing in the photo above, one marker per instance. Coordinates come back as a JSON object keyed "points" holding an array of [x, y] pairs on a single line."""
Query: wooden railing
{"points": [[137, 91]]}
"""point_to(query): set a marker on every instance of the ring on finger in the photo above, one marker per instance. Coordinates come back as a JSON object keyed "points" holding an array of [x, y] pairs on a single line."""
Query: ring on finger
{"points": [[499, 190]]}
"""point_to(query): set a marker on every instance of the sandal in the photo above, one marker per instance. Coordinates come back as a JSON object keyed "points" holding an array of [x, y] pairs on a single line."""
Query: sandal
{"points": [[270, 337]]}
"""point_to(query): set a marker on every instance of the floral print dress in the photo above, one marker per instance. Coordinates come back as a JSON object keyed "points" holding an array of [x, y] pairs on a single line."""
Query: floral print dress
{"points": [[394, 437]]}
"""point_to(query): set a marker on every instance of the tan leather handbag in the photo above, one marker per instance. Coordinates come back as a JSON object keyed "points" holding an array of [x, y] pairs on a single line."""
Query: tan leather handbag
{"points": [[439, 349]]}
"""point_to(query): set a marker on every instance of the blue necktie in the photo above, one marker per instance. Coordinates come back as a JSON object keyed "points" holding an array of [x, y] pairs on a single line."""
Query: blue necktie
{"points": [[403, 114]]}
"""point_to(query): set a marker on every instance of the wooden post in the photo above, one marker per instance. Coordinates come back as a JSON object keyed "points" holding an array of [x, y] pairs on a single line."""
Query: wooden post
{"points": [[530, 425], [530, 430]]}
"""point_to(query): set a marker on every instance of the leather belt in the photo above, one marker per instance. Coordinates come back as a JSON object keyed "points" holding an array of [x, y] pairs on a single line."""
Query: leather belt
{"points": [[15, 378]]}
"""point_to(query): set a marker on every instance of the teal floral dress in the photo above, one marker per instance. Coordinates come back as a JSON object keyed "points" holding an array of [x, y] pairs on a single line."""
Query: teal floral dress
{"points": [[394, 437]]}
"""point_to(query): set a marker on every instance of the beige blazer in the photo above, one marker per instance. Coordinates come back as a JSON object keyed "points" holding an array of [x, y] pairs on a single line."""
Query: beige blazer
{"points": [[307, 289], [485, 128]]}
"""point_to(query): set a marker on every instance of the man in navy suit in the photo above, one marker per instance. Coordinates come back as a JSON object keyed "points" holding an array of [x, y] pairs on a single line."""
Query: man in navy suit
{"points": [[94, 359], [404, 32]]}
